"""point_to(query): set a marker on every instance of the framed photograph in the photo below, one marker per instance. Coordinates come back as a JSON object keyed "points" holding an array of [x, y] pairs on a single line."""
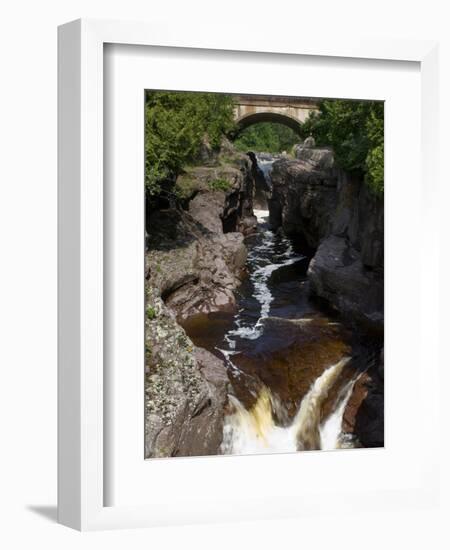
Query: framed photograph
{"points": [[244, 292]]}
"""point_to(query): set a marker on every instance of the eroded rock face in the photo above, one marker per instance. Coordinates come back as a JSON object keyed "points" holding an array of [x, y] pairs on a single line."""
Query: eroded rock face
{"points": [[196, 270], [342, 222], [364, 413], [186, 390], [337, 274], [304, 195], [220, 196], [195, 258]]}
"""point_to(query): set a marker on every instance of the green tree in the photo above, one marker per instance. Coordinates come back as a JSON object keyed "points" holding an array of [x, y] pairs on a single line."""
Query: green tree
{"points": [[176, 123], [269, 137], [355, 130]]}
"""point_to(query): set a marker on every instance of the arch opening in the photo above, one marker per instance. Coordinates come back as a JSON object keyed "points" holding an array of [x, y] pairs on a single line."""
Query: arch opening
{"points": [[255, 118]]}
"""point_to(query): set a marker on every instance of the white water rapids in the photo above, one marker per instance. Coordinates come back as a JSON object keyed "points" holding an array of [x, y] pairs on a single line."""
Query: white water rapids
{"points": [[256, 430], [260, 277]]}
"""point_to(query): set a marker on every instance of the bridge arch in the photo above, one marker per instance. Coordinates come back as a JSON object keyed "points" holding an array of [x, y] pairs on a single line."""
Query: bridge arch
{"points": [[268, 116], [291, 111]]}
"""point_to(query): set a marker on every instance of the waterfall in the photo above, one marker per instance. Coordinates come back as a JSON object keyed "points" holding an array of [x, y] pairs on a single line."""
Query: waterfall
{"points": [[255, 431], [263, 182], [265, 165], [307, 420], [331, 436], [258, 429]]}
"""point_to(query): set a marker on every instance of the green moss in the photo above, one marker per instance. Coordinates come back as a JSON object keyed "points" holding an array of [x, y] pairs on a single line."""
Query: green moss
{"points": [[151, 313], [186, 186], [191, 182], [219, 184]]}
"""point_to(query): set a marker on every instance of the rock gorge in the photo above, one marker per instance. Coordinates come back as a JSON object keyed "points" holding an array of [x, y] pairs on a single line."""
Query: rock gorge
{"points": [[341, 222], [197, 265], [195, 259]]}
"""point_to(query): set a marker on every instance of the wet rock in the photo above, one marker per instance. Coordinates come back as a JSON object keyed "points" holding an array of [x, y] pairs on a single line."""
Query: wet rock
{"points": [[262, 188], [364, 413]]}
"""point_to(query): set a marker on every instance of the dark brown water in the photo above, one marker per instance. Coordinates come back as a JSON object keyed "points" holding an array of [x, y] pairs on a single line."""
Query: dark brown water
{"points": [[291, 364], [279, 339]]}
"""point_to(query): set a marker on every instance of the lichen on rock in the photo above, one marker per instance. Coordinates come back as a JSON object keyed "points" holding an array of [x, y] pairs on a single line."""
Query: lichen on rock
{"points": [[195, 259]]}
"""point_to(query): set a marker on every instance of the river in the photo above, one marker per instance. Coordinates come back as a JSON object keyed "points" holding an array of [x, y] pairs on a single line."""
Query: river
{"points": [[289, 361]]}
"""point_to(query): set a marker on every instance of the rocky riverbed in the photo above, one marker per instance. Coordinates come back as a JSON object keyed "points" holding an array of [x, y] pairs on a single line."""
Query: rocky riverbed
{"points": [[250, 322]]}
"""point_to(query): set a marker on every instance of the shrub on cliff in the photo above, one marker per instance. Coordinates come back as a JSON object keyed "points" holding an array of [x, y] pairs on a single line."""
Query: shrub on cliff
{"points": [[175, 125], [355, 130]]}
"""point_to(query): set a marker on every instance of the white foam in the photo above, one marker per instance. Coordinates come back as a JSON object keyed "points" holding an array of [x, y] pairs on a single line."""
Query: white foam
{"points": [[255, 431], [331, 435], [261, 215]]}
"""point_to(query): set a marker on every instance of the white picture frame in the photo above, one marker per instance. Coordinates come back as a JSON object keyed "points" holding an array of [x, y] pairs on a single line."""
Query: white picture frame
{"points": [[81, 404]]}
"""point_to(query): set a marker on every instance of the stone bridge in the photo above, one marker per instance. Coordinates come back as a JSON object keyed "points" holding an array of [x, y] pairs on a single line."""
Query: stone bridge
{"points": [[292, 111]]}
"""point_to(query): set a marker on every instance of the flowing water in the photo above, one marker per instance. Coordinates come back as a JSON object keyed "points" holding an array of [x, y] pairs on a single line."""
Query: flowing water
{"points": [[289, 364], [255, 431]]}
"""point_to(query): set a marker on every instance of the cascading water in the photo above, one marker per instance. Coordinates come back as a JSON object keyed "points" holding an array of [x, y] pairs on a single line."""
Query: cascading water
{"points": [[331, 435], [265, 165], [255, 431], [258, 429]]}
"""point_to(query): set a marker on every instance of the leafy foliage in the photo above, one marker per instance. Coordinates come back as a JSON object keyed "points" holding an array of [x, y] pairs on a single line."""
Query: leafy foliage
{"points": [[355, 130], [270, 137], [176, 123]]}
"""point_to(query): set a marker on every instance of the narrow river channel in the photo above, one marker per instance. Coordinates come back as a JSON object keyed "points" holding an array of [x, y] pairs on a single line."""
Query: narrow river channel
{"points": [[289, 362]]}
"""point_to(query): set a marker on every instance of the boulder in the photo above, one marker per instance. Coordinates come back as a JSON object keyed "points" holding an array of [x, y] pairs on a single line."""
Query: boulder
{"points": [[337, 274], [207, 209]]}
